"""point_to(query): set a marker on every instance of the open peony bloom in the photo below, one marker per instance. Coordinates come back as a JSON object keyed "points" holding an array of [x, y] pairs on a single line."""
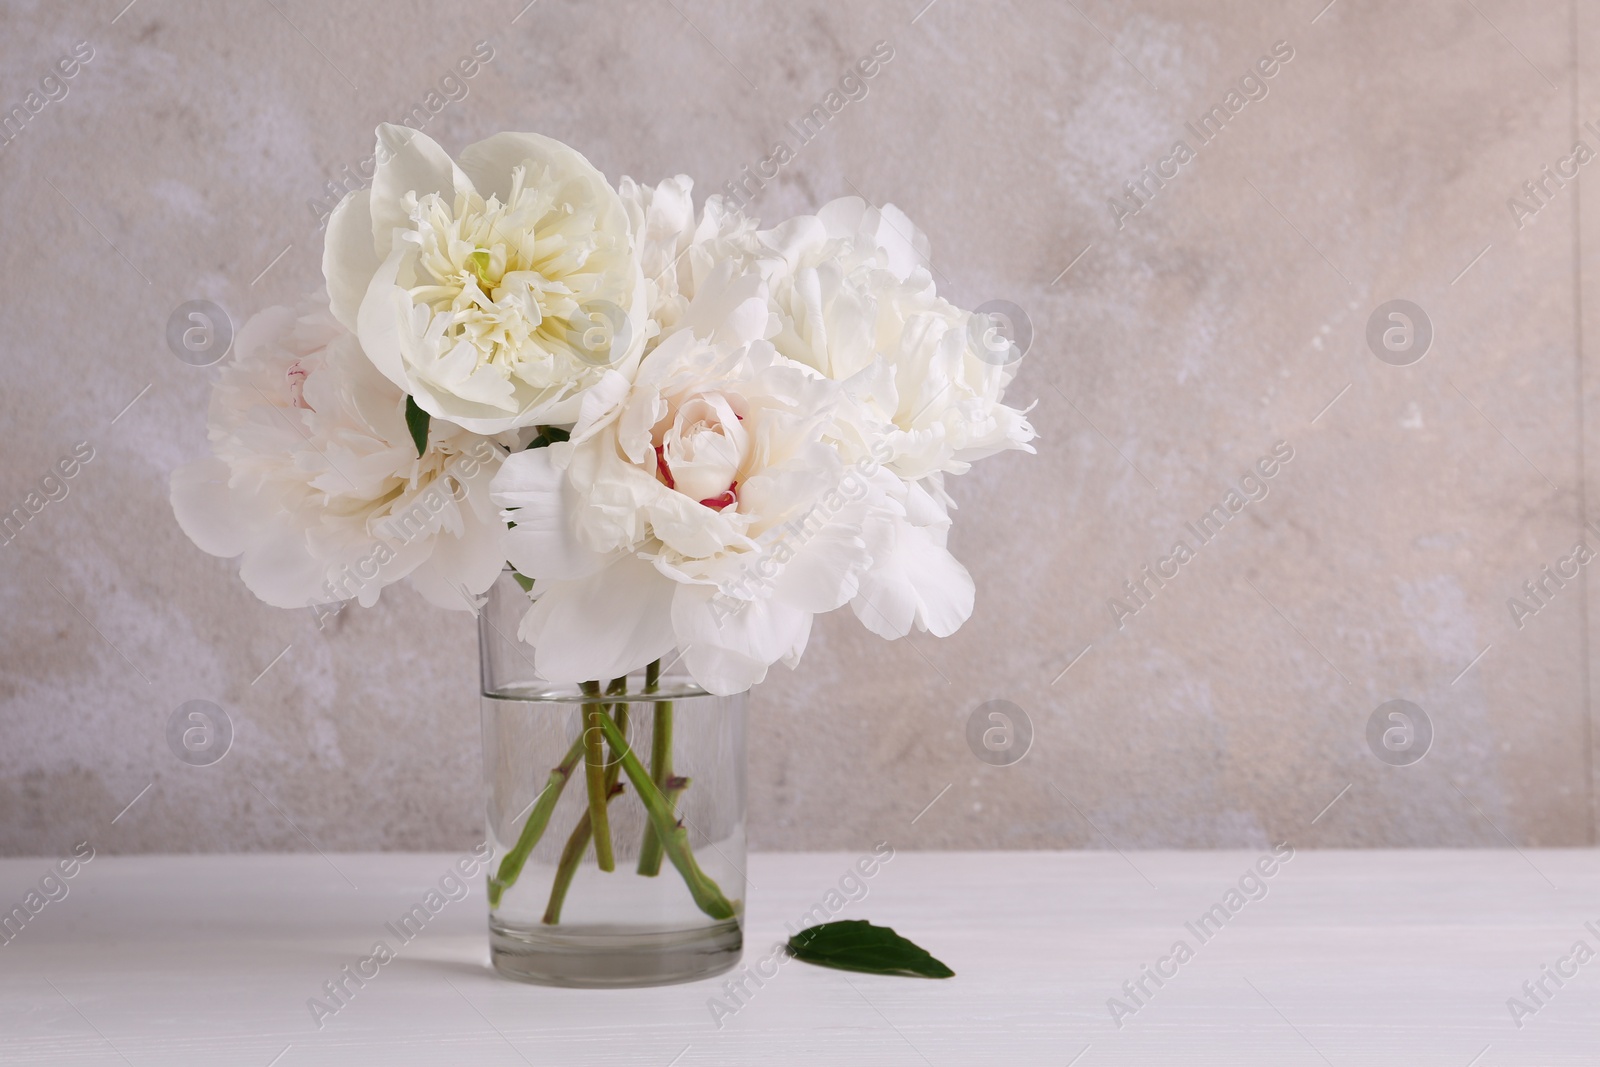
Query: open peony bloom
{"points": [[713, 509], [855, 302], [494, 292], [316, 481]]}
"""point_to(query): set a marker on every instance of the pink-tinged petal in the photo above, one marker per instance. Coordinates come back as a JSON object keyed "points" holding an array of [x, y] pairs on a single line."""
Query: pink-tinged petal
{"points": [[349, 256], [603, 626]]}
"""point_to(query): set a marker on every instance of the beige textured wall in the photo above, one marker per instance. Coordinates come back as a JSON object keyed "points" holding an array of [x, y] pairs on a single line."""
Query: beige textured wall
{"points": [[1224, 317]]}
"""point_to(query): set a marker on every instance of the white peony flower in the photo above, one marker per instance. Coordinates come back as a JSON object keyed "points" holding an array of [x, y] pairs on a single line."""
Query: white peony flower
{"points": [[316, 481], [494, 292], [715, 507], [678, 254], [855, 302]]}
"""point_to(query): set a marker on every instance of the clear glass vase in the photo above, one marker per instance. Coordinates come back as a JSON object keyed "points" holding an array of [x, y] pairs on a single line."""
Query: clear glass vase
{"points": [[659, 765]]}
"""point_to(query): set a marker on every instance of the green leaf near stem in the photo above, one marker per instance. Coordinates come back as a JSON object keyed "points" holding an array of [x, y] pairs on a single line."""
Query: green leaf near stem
{"points": [[417, 422], [548, 435], [857, 945]]}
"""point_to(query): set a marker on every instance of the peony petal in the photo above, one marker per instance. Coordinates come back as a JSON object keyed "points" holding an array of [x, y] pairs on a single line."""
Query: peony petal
{"points": [[843, 217], [382, 323], [599, 405], [489, 163], [906, 245], [913, 582], [409, 161], [280, 570], [206, 509], [729, 309], [462, 567], [728, 644], [789, 241], [543, 544], [603, 626], [349, 258], [825, 572]]}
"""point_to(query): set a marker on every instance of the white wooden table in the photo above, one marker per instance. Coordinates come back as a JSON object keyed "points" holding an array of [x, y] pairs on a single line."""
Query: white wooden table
{"points": [[1402, 957]]}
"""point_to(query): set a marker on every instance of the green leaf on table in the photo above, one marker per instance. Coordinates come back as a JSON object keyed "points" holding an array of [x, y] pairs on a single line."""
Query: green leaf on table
{"points": [[417, 422], [857, 945]]}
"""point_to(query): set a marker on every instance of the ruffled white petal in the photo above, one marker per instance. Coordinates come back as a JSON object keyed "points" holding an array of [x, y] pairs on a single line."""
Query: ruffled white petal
{"points": [[914, 581], [544, 543], [603, 626], [728, 648]]}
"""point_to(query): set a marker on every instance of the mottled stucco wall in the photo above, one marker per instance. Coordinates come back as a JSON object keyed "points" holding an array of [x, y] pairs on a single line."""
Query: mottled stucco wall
{"points": [[1174, 346]]}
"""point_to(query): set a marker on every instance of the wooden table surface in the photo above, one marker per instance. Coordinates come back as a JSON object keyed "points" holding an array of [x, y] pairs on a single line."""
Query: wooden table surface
{"points": [[1342, 958]]}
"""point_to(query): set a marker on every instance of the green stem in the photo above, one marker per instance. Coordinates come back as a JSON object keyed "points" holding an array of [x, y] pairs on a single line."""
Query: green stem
{"points": [[674, 838], [594, 773], [533, 829], [660, 769], [571, 857], [578, 842]]}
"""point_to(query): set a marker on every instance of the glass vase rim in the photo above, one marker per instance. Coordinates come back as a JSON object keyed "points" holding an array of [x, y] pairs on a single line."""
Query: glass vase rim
{"points": [[539, 691]]}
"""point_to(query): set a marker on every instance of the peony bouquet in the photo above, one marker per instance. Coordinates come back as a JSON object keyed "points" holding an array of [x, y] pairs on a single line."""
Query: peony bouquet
{"points": [[684, 432]]}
